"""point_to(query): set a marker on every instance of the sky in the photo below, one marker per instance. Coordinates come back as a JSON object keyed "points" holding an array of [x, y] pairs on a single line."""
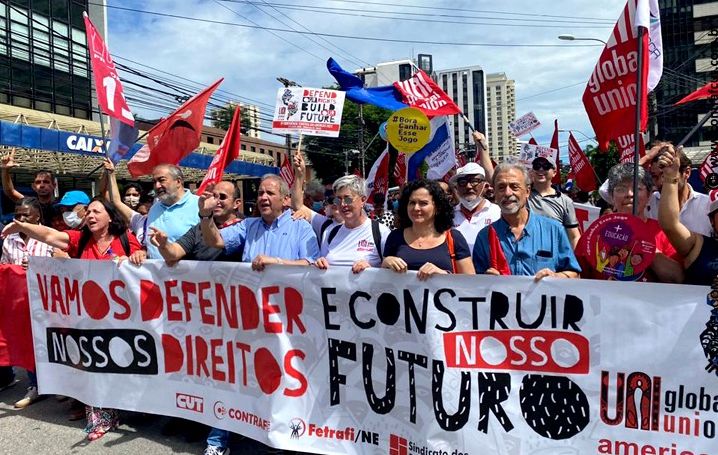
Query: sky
{"points": [[251, 59]]}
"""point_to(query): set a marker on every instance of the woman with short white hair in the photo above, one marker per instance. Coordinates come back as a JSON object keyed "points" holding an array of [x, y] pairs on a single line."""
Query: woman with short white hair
{"points": [[359, 241]]}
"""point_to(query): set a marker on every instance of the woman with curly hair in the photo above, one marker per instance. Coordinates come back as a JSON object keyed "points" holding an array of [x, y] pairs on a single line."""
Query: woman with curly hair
{"points": [[104, 236], [426, 243]]}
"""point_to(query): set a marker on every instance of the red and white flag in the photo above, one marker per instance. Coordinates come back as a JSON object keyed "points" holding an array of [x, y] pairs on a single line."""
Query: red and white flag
{"points": [[710, 164], [173, 137], [226, 153], [556, 180], [286, 171], [583, 174], [107, 82], [421, 92], [611, 92], [377, 182], [400, 169]]}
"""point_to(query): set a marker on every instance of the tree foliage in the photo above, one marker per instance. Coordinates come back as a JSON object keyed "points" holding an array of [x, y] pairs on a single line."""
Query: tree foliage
{"points": [[222, 117], [327, 154], [602, 162]]}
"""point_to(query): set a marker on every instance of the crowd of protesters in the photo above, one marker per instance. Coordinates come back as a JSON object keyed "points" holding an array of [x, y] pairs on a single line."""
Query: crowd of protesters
{"points": [[507, 220]]}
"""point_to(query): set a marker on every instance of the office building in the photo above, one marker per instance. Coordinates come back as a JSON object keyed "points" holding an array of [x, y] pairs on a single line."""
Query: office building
{"points": [[500, 111]]}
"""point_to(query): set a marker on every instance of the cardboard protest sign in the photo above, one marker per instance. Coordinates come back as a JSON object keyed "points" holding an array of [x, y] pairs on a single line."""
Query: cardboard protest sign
{"points": [[408, 130], [529, 152], [310, 111], [333, 362], [524, 124]]}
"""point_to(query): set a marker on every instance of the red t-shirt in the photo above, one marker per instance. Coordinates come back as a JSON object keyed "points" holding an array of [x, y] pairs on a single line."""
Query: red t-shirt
{"points": [[91, 251]]}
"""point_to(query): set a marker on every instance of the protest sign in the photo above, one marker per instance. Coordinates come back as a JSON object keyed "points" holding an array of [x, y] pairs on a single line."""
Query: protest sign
{"points": [[379, 362], [529, 152], [408, 130], [524, 124], [586, 214], [310, 111]]}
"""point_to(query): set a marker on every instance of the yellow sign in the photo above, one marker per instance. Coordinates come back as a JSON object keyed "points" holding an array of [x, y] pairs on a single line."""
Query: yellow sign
{"points": [[408, 130]]}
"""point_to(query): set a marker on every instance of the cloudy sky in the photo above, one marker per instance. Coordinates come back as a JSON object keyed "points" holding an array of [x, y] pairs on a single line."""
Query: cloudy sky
{"points": [[250, 58]]}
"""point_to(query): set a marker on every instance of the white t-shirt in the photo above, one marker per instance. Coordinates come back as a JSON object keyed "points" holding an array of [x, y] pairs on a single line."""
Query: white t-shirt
{"points": [[470, 228], [693, 215], [351, 245], [138, 225], [318, 221]]}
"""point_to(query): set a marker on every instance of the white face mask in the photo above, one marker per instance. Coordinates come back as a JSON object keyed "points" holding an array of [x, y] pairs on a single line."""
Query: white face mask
{"points": [[132, 201], [72, 220], [471, 204]]}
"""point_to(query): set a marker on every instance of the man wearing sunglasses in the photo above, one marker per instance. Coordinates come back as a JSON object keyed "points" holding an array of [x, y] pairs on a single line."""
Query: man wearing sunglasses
{"points": [[473, 212], [547, 201]]}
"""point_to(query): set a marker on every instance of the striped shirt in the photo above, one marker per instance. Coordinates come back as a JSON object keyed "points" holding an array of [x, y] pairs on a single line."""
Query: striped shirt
{"points": [[14, 249]]}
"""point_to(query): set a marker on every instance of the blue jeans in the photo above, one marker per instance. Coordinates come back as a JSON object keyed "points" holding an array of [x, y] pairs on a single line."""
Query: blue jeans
{"points": [[218, 438], [7, 375], [32, 376]]}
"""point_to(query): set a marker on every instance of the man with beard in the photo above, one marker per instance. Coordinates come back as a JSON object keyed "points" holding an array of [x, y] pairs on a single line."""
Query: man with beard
{"points": [[473, 212], [43, 185], [522, 242], [174, 211]]}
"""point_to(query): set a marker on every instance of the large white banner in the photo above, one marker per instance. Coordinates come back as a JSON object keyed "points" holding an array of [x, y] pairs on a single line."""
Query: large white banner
{"points": [[379, 362], [310, 111]]}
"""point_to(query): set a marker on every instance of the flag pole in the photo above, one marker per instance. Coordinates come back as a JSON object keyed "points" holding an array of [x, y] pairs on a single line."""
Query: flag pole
{"points": [[637, 135], [697, 127]]}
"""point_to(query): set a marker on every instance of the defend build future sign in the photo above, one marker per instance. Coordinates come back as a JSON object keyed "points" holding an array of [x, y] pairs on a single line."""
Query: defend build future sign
{"points": [[310, 111]]}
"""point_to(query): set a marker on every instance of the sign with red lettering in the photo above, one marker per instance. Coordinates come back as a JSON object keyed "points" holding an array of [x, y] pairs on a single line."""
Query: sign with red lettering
{"points": [[328, 361], [524, 124], [310, 111]]}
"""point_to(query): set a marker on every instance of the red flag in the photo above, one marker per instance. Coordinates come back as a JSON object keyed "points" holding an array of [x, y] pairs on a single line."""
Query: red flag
{"points": [[708, 90], [377, 182], [497, 258], [627, 152], [584, 175], [400, 170], [532, 141], [710, 164], [610, 95], [286, 171], [16, 347], [226, 153], [556, 180], [173, 137], [107, 82], [421, 92]]}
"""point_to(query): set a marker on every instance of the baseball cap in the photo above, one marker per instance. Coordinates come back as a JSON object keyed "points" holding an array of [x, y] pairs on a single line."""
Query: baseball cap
{"points": [[549, 159], [74, 197], [468, 169]]}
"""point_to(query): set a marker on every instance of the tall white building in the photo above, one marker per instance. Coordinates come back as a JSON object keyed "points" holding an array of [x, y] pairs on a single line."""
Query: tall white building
{"points": [[467, 87], [501, 110], [386, 73], [252, 112]]}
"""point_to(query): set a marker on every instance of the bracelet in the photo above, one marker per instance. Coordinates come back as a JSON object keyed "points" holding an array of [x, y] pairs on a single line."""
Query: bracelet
{"points": [[204, 217], [673, 180]]}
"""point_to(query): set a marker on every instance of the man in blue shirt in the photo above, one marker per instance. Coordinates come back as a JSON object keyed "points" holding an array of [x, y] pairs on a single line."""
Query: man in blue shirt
{"points": [[272, 238], [532, 245]]}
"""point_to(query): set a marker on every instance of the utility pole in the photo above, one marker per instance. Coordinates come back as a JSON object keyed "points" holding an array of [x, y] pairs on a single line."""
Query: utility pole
{"points": [[361, 140]]}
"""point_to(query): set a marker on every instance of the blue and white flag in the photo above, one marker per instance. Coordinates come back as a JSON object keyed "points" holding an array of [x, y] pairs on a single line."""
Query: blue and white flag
{"points": [[439, 153]]}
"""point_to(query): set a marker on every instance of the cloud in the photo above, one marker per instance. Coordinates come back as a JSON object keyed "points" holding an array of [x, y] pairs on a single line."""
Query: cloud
{"points": [[251, 59]]}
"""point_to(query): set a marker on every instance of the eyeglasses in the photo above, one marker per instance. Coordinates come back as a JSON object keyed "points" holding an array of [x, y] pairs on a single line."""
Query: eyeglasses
{"points": [[473, 181], [542, 166], [221, 196], [346, 200]]}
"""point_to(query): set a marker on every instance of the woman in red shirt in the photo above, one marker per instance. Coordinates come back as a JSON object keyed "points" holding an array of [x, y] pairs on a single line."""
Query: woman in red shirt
{"points": [[104, 236]]}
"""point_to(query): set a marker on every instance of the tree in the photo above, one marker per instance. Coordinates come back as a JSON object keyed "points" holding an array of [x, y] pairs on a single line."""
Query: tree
{"points": [[327, 153], [602, 162], [222, 117]]}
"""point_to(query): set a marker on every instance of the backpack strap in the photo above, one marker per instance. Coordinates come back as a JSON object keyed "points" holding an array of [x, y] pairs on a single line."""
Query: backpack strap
{"points": [[325, 225], [450, 246], [376, 233], [333, 233]]}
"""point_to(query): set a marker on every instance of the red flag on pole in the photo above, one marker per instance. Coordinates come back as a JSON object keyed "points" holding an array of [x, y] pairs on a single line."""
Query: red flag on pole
{"points": [[610, 95], [286, 171], [107, 82], [710, 164], [584, 175], [708, 90], [556, 180], [377, 182], [421, 92], [173, 137], [226, 153]]}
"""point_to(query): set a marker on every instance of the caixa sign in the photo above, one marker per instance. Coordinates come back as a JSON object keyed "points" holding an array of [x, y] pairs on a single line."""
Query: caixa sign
{"points": [[80, 143]]}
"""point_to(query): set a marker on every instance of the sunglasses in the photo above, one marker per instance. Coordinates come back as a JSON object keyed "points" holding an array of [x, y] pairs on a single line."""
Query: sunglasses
{"points": [[473, 182], [221, 197], [542, 166], [346, 200]]}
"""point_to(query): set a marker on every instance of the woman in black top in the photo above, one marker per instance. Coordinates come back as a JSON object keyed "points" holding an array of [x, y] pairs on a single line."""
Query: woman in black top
{"points": [[426, 242]]}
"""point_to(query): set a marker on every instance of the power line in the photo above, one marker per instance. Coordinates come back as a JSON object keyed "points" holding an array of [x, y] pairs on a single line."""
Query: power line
{"points": [[333, 35]]}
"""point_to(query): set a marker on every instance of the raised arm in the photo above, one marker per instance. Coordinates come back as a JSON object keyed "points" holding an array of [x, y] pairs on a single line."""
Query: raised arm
{"points": [[482, 150], [210, 233], [7, 163], [112, 192], [45, 234], [299, 177], [682, 239]]}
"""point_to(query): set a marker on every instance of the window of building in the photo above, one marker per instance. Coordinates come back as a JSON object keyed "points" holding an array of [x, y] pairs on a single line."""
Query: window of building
{"points": [[210, 140], [243, 147], [253, 149]]}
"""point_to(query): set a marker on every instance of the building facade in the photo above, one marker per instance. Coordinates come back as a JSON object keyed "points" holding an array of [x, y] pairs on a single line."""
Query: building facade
{"points": [[688, 32], [254, 121], [386, 73], [500, 111], [467, 87], [44, 63]]}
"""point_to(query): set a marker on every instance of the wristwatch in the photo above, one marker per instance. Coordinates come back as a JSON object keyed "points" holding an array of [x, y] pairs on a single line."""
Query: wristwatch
{"points": [[204, 217]]}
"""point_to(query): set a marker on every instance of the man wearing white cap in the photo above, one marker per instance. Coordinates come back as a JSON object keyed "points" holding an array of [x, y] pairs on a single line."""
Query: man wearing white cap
{"points": [[473, 213], [547, 201]]}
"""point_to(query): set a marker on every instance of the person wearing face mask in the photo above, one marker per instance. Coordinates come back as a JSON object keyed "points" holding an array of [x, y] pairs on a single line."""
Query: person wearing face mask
{"points": [[73, 206], [132, 195], [473, 213]]}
